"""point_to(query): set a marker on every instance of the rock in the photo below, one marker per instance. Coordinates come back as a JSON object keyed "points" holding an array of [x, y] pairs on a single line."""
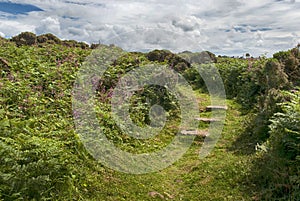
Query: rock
{"points": [[155, 194], [217, 107], [202, 133], [207, 120]]}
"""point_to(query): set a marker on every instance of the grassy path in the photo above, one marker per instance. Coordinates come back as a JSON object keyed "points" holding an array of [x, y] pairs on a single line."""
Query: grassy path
{"points": [[220, 176]]}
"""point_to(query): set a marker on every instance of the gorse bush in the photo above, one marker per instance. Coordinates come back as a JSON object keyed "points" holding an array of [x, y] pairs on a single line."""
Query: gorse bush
{"points": [[30, 39], [25, 38], [291, 62], [48, 38]]}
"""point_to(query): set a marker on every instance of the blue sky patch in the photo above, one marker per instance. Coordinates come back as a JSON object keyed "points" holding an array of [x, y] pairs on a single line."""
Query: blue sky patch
{"points": [[16, 9]]}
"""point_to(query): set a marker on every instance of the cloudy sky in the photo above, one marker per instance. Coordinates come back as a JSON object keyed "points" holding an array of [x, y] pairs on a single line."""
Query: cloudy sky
{"points": [[231, 27]]}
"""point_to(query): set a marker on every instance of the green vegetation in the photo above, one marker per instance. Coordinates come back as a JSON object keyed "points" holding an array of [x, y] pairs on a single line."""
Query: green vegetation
{"points": [[42, 158]]}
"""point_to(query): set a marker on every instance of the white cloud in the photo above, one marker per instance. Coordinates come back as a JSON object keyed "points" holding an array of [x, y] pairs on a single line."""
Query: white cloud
{"points": [[49, 24], [220, 26], [189, 23], [12, 27]]}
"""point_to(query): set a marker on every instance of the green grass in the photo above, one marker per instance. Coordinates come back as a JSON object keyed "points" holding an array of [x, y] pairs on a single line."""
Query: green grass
{"points": [[216, 177], [42, 158]]}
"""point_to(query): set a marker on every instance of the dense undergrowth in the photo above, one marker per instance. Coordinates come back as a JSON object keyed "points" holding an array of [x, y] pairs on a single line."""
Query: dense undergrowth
{"points": [[42, 158]]}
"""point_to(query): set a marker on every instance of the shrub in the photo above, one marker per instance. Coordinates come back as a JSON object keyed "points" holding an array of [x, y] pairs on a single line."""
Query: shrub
{"points": [[83, 45], [48, 38], [94, 46], [25, 38], [234, 73], [42, 39], [159, 55], [73, 43], [198, 57], [291, 62], [275, 77]]}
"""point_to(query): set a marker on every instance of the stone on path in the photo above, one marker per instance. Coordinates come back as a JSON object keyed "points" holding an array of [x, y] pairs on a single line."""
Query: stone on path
{"points": [[202, 133], [207, 120], [216, 107]]}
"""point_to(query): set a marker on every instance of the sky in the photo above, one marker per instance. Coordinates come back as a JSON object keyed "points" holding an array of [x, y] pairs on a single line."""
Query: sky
{"points": [[224, 27]]}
